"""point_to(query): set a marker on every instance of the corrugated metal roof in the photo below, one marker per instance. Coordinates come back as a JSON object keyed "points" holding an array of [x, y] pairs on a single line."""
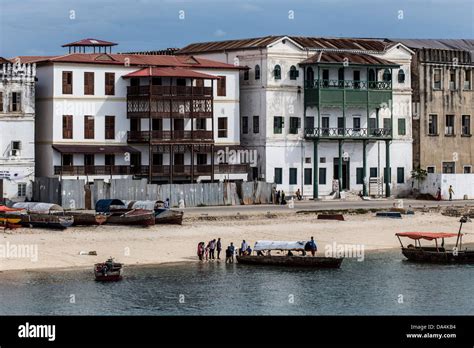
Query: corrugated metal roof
{"points": [[169, 72], [304, 41], [443, 44], [132, 59], [351, 58], [90, 42]]}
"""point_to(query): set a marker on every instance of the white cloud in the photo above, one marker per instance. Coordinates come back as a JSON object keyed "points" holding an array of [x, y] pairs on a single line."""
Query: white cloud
{"points": [[219, 33]]}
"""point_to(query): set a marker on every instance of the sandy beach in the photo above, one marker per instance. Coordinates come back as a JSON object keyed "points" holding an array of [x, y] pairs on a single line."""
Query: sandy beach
{"points": [[167, 243]]}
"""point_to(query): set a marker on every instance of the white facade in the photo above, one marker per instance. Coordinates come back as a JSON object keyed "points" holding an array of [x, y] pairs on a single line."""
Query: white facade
{"points": [[17, 126], [52, 105], [268, 97]]}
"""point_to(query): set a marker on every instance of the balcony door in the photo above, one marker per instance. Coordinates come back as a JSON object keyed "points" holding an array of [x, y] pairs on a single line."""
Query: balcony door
{"points": [[345, 173], [178, 163], [356, 79], [340, 125], [178, 128]]}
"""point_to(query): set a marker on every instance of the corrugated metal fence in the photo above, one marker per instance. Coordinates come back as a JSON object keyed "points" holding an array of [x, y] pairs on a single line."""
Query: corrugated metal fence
{"points": [[75, 194]]}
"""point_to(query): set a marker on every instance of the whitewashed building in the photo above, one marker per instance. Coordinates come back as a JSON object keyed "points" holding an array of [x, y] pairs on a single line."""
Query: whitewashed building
{"points": [[17, 129], [335, 112], [102, 115]]}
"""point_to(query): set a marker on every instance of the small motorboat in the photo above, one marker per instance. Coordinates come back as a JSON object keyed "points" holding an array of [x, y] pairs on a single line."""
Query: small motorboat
{"points": [[262, 247], [437, 254], [108, 271]]}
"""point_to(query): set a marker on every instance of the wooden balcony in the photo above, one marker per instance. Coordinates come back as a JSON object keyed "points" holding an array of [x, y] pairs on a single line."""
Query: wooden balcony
{"points": [[196, 107], [348, 133], [157, 170], [170, 91], [97, 170], [347, 92], [175, 136]]}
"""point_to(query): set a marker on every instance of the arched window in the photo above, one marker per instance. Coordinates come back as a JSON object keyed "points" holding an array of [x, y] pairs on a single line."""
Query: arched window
{"points": [[257, 72], [294, 73], [401, 76], [277, 72], [246, 74], [387, 75], [310, 77]]}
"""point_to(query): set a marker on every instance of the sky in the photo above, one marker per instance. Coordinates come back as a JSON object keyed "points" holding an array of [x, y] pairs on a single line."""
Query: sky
{"points": [[40, 27]]}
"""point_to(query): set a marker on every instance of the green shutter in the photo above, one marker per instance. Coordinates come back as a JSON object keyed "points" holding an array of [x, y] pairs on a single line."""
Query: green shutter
{"points": [[401, 126]]}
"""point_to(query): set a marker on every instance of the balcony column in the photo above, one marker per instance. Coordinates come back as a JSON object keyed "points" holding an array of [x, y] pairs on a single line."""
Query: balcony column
{"points": [[212, 163], [387, 168], [339, 169], [171, 164], [315, 170], [150, 172], [192, 163], [364, 168]]}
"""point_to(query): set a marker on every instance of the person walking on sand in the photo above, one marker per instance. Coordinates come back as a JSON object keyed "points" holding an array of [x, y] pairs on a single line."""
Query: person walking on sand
{"points": [[438, 194], [298, 195], [219, 248], [283, 201], [277, 198], [212, 247], [451, 192]]}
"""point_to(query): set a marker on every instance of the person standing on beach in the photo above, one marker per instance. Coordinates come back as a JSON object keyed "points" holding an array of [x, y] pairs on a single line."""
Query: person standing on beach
{"points": [[206, 251], [311, 246], [243, 247], [438, 194], [200, 250], [283, 201], [212, 247], [229, 253], [277, 198], [451, 192], [219, 248]]}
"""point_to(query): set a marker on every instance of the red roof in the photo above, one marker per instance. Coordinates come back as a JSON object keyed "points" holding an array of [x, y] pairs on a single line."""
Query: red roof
{"points": [[169, 72], [426, 235], [133, 59], [90, 42]]}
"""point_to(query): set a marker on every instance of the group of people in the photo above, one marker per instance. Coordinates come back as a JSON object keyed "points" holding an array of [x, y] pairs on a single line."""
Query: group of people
{"points": [[208, 252], [278, 197], [450, 191]]}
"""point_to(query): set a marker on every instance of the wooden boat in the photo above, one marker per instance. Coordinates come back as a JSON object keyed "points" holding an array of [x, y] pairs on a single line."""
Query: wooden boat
{"points": [[4, 220], [437, 254], [338, 217], [163, 215], [60, 222], [87, 219], [287, 260], [168, 216], [42, 215], [108, 271], [119, 214]]}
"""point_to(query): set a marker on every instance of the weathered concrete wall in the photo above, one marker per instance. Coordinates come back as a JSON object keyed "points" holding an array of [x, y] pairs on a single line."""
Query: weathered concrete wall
{"points": [[438, 148], [463, 184]]}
